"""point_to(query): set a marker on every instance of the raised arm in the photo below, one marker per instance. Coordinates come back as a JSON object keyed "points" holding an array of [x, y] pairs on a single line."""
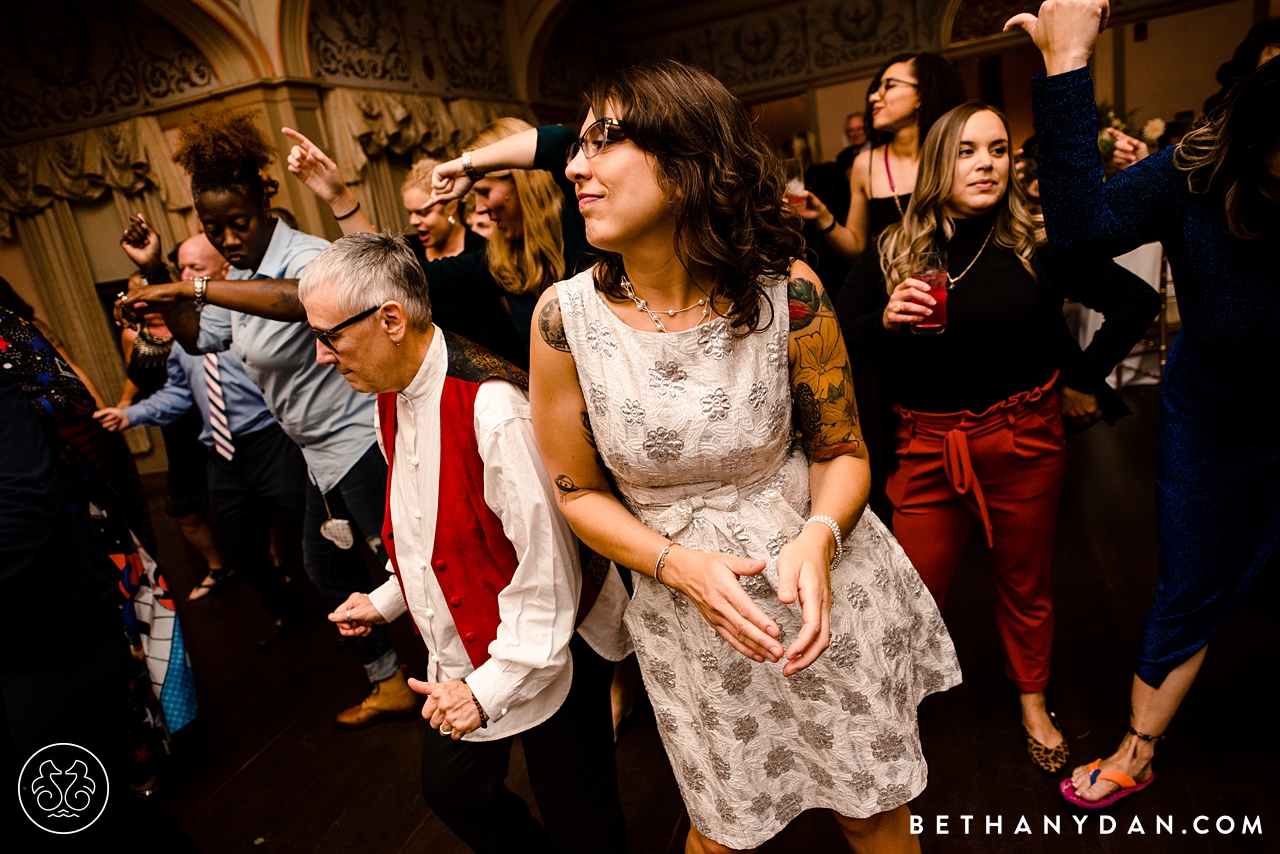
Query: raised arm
{"points": [[519, 151], [1081, 212], [321, 175], [839, 473], [600, 520]]}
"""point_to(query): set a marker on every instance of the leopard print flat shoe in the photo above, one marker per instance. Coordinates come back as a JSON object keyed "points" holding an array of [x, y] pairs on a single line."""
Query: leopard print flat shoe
{"points": [[1048, 759]]}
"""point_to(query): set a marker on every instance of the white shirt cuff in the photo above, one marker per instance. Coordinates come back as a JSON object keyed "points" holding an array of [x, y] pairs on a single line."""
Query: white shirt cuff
{"points": [[389, 600], [492, 688]]}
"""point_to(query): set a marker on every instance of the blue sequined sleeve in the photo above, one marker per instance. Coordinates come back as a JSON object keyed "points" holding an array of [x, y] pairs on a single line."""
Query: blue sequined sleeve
{"points": [[1140, 205]]}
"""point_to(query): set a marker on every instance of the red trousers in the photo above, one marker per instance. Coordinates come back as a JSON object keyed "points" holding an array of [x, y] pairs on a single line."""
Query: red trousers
{"points": [[1002, 468]]}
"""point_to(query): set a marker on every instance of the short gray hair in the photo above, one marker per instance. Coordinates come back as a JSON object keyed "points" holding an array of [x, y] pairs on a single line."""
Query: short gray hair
{"points": [[367, 269]]}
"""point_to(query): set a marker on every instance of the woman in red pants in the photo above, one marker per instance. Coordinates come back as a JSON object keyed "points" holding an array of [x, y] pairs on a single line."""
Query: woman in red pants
{"points": [[982, 380]]}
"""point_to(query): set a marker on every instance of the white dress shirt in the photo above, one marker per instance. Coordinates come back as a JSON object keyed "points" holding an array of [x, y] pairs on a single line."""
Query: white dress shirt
{"points": [[530, 669]]}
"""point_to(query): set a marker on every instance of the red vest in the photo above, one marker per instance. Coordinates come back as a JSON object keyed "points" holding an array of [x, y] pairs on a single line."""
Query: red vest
{"points": [[472, 558]]}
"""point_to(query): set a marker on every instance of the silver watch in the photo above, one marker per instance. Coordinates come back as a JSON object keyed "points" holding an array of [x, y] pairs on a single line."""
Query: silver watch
{"points": [[201, 283], [470, 171]]}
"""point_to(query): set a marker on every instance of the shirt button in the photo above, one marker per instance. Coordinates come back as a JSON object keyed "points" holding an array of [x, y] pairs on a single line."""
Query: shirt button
{"points": [[417, 514], [504, 712], [428, 613], [422, 565], [413, 461], [456, 601], [469, 637], [440, 565]]}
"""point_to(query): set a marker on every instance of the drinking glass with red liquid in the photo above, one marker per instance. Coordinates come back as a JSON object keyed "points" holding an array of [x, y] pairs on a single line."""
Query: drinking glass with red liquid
{"points": [[933, 272], [794, 194]]}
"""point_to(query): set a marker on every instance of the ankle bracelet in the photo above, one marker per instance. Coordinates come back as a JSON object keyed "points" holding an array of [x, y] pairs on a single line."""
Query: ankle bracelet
{"points": [[1149, 739]]}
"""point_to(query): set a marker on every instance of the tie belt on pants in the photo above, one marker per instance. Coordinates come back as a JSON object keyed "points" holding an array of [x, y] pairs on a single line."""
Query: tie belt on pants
{"points": [[955, 429]]}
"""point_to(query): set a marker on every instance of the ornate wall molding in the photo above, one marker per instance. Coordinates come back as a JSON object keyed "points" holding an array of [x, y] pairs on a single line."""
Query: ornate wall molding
{"points": [[450, 48], [222, 34], [783, 47], [294, 15], [973, 23], [74, 63]]}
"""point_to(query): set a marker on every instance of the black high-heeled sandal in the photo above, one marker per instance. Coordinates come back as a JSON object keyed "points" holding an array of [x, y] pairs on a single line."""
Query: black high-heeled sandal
{"points": [[214, 580]]}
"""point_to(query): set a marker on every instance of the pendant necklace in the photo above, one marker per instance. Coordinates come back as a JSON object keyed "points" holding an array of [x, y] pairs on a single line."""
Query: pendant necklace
{"points": [[955, 279], [643, 305], [897, 202]]}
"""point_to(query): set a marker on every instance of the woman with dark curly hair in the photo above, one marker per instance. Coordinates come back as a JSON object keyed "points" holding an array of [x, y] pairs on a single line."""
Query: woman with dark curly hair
{"points": [[225, 154], [682, 354]]}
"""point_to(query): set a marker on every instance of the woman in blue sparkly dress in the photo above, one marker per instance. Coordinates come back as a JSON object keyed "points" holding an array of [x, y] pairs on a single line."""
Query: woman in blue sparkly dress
{"points": [[1212, 202]]}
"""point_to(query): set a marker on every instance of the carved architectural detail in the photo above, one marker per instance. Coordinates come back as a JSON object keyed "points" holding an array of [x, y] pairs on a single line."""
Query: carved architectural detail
{"points": [[70, 63], [354, 40], [782, 46], [977, 19], [850, 33], [448, 48]]}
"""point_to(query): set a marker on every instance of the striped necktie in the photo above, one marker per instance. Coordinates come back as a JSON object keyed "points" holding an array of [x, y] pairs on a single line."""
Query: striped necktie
{"points": [[217, 408]]}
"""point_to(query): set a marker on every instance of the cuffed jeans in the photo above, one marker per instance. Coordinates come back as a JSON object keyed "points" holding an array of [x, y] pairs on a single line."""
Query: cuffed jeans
{"points": [[360, 498]]}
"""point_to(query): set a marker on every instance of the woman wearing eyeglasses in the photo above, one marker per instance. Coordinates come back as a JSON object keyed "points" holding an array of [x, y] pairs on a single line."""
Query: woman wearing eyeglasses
{"points": [[906, 97], [783, 658]]}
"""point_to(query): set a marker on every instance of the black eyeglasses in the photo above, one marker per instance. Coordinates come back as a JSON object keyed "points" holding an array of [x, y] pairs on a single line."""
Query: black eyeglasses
{"points": [[888, 83], [323, 336], [598, 135]]}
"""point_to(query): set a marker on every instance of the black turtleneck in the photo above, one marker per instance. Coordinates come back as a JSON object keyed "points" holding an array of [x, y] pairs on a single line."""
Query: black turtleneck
{"points": [[1005, 330]]}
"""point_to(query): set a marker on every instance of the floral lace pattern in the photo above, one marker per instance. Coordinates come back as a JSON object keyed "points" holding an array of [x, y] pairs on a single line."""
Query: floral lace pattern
{"points": [[697, 433]]}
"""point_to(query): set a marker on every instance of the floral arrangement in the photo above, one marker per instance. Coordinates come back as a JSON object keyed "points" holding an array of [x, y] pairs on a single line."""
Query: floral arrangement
{"points": [[1108, 118]]}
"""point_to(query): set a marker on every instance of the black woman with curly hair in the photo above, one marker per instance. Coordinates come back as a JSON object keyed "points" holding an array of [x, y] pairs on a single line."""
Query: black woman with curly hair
{"points": [[225, 154], [683, 354]]}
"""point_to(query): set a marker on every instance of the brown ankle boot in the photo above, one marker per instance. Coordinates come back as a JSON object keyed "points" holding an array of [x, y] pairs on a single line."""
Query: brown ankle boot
{"points": [[390, 699]]}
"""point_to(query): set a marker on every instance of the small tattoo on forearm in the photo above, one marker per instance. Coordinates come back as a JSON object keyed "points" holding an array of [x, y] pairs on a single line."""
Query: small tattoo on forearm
{"points": [[551, 325], [565, 485]]}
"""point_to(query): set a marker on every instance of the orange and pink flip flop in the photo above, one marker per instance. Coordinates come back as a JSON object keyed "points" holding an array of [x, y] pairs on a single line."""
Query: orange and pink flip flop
{"points": [[1127, 784]]}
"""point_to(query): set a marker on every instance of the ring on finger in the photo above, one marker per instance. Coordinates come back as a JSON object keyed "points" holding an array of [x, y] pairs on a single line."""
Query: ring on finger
{"points": [[446, 732]]}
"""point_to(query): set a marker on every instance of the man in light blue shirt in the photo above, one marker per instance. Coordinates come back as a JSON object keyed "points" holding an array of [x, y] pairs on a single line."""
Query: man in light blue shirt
{"points": [[253, 469]]}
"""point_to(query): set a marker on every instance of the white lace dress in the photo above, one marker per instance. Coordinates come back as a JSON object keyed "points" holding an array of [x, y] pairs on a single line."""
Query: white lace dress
{"points": [[695, 427]]}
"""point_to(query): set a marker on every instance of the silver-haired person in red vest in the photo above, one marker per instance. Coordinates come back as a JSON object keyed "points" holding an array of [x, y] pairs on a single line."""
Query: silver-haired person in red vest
{"points": [[520, 625]]}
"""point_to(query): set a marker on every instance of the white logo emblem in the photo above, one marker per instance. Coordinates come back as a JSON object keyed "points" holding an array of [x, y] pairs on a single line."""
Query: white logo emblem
{"points": [[63, 788]]}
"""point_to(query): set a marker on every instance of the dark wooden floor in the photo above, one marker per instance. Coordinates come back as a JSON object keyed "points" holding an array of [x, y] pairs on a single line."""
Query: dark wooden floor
{"points": [[264, 769]]}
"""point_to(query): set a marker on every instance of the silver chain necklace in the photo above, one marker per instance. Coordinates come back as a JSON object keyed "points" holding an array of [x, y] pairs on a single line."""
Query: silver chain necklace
{"points": [[643, 305]]}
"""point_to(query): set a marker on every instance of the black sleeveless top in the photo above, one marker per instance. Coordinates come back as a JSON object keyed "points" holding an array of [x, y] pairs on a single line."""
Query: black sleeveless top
{"points": [[882, 213]]}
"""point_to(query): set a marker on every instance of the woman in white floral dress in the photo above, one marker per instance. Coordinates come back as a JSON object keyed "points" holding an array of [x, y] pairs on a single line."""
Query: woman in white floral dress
{"points": [[664, 383]]}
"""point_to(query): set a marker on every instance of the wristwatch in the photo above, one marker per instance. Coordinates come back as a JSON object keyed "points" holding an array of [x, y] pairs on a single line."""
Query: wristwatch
{"points": [[201, 283], [470, 171]]}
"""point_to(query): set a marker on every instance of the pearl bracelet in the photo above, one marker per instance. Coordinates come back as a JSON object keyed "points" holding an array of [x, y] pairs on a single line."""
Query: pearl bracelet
{"points": [[835, 531]]}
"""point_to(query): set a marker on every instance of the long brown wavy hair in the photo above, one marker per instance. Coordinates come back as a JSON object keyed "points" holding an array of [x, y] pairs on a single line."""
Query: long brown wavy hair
{"points": [[723, 183], [903, 243], [1227, 154], [536, 261]]}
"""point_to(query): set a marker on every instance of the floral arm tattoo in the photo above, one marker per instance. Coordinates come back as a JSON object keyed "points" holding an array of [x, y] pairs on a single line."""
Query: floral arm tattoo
{"points": [[551, 325], [821, 376]]}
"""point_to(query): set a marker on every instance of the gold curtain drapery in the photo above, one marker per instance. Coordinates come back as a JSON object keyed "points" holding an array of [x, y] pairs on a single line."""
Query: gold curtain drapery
{"points": [[365, 124], [38, 183]]}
